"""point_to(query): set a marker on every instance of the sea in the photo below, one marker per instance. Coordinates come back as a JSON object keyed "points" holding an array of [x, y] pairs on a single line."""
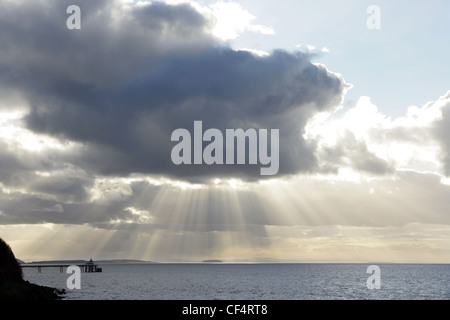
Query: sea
{"points": [[223, 281]]}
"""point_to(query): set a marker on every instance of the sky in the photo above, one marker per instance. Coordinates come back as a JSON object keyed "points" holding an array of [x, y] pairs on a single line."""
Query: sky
{"points": [[359, 91]]}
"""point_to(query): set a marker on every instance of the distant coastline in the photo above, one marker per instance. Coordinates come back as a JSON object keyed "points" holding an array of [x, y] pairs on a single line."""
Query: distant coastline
{"points": [[243, 261], [78, 262]]}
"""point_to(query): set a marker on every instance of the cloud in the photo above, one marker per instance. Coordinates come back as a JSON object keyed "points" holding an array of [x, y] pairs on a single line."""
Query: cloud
{"points": [[359, 179], [117, 40], [133, 74], [117, 204], [231, 20], [441, 130], [311, 49], [363, 139]]}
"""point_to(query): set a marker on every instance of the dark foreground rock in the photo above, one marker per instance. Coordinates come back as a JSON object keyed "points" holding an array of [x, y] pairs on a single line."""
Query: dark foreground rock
{"points": [[12, 284]]}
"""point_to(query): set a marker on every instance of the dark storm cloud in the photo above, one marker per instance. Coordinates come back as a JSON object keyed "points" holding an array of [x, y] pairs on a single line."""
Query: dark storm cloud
{"points": [[115, 41], [63, 187], [33, 209], [63, 200], [18, 167], [133, 74], [29, 171]]}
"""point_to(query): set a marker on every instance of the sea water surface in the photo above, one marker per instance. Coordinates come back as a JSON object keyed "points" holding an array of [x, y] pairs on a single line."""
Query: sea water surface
{"points": [[251, 282]]}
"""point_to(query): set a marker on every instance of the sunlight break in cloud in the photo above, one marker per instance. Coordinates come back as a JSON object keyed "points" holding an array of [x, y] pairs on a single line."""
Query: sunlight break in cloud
{"points": [[232, 20]]}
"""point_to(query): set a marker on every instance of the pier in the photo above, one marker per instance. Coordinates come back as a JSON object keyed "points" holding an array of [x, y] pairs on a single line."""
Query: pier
{"points": [[87, 267]]}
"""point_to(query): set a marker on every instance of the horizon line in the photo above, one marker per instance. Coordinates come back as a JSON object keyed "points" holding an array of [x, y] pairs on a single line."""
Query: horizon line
{"points": [[218, 261]]}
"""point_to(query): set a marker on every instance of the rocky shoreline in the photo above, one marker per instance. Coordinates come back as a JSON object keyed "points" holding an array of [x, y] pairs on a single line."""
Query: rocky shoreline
{"points": [[12, 284]]}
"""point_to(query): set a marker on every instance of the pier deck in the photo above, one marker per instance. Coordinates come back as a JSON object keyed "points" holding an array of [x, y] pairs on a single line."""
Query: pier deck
{"points": [[83, 267]]}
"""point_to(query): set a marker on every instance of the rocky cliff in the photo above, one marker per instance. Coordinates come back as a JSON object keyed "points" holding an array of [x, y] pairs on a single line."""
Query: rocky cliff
{"points": [[12, 284]]}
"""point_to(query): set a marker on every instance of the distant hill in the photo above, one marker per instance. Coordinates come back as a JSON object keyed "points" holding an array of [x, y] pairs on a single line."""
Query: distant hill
{"points": [[212, 261], [12, 284], [124, 261], [68, 262]]}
